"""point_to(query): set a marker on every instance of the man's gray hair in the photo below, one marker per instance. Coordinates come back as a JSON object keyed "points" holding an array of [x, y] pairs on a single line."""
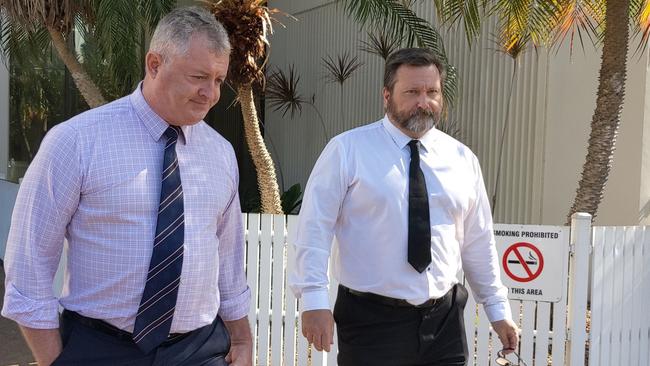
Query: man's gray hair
{"points": [[173, 32]]}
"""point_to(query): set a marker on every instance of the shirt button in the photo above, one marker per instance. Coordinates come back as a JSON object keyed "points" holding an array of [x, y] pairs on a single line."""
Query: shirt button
{"points": [[428, 269]]}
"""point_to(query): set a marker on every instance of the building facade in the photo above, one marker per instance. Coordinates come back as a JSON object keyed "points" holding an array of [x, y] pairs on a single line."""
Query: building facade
{"points": [[547, 111]]}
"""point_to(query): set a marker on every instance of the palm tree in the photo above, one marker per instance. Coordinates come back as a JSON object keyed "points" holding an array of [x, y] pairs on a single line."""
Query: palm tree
{"points": [[116, 25], [607, 116], [547, 23], [248, 22]]}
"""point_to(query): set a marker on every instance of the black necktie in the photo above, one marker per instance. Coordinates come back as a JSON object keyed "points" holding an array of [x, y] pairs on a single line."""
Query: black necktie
{"points": [[419, 239], [156, 311]]}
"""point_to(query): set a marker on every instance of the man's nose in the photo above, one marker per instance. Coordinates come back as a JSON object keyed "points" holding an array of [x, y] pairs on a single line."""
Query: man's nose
{"points": [[424, 102], [208, 91]]}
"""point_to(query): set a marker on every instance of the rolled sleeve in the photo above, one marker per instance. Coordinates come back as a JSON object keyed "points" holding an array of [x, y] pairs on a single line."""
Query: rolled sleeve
{"points": [[47, 199], [235, 308], [27, 311]]}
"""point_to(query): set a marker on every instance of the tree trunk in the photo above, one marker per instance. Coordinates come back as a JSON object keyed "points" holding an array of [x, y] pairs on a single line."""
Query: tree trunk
{"points": [[266, 181], [607, 116], [86, 86]]}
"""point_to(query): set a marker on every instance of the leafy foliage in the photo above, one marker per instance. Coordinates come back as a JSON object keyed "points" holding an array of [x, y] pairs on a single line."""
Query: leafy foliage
{"points": [[115, 28], [381, 44], [282, 92], [339, 70], [248, 23], [291, 199]]}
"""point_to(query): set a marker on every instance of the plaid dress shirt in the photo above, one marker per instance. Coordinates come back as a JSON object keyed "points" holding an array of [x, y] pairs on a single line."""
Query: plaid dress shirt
{"points": [[96, 182]]}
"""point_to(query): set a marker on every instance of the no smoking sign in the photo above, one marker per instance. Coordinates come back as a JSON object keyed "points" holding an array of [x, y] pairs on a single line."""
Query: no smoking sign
{"points": [[521, 267], [533, 260]]}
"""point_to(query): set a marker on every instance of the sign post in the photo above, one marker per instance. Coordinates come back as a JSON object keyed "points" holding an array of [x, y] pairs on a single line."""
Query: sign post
{"points": [[534, 260]]}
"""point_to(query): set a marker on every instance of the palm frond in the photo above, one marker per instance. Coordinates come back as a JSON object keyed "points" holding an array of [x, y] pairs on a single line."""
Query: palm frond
{"points": [[58, 14], [248, 23], [401, 22], [282, 92], [381, 44], [470, 12], [118, 37], [153, 11], [640, 19], [16, 37], [513, 36], [339, 70], [578, 17]]}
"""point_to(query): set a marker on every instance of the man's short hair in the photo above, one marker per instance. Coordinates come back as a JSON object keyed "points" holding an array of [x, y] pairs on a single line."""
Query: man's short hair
{"points": [[411, 57], [173, 32]]}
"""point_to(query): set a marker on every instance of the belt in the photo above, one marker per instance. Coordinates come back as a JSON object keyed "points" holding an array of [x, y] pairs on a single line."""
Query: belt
{"points": [[385, 300], [104, 327]]}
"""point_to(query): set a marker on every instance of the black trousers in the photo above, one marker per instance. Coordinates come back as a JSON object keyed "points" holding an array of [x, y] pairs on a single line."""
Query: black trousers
{"points": [[85, 345], [372, 333]]}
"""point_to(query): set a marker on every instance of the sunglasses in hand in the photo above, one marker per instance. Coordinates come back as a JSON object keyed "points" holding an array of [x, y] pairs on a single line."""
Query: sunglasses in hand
{"points": [[501, 359]]}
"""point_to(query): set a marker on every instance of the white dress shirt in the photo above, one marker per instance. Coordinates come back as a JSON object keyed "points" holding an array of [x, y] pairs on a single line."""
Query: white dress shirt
{"points": [[358, 194], [96, 181]]}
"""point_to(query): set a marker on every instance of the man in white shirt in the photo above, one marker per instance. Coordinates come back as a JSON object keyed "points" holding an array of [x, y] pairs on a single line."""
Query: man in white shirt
{"points": [[408, 208], [146, 194]]}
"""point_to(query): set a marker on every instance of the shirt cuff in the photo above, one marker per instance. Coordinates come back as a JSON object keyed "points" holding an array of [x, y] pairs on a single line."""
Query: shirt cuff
{"points": [[237, 307], [315, 300], [498, 311], [37, 314]]}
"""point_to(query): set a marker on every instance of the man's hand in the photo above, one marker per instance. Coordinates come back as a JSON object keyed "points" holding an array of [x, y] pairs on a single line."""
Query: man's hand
{"points": [[241, 343], [318, 328], [508, 333]]}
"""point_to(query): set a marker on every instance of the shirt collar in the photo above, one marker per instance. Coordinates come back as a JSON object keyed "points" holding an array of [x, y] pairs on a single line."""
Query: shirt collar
{"points": [[401, 139], [151, 120]]}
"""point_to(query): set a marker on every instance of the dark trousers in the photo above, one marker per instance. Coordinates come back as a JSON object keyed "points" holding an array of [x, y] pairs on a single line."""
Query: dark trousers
{"points": [[372, 333], [86, 345]]}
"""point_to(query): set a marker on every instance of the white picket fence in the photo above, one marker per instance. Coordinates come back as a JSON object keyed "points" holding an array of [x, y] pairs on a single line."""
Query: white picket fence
{"points": [[620, 297], [552, 333]]}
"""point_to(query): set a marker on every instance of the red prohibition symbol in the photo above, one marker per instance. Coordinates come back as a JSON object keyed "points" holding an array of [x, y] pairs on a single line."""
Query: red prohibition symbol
{"points": [[519, 260]]}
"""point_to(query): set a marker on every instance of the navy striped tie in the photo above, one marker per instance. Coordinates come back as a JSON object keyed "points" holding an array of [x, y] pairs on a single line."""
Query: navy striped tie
{"points": [[154, 319]]}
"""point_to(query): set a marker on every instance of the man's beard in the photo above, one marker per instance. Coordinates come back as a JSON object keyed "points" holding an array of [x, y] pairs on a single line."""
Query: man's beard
{"points": [[418, 121]]}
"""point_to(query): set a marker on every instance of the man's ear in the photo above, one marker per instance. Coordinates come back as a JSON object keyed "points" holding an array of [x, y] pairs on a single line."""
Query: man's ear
{"points": [[386, 94], [152, 63]]}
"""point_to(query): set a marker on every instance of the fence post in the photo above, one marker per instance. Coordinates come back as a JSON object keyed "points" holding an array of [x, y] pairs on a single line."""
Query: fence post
{"points": [[578, 284]]}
